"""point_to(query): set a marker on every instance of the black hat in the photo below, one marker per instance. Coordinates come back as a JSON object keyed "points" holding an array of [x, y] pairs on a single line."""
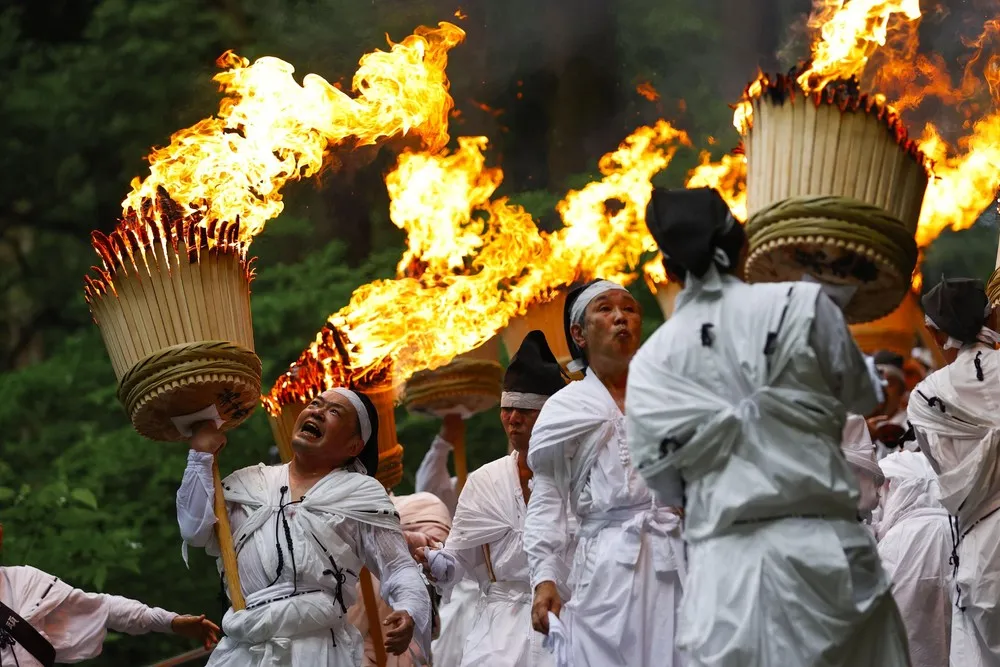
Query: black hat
{"points": [[533, 373], [369, 453], [688, 226], [889, 358], [958, 307]]}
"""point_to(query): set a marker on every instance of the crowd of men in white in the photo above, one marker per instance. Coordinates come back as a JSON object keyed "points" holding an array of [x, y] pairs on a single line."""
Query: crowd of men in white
{"points": [[744, 489]]}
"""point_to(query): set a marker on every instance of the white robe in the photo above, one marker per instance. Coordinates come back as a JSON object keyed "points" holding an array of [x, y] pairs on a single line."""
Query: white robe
{"points": [[457, 610], [956, 418], [296, 613], [781, 572], [623, 586], [491, 512], [914, 537], [75, 622]]}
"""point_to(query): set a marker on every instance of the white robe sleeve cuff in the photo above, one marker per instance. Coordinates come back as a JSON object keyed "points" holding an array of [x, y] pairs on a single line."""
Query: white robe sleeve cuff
{"points": [[195, 503]]}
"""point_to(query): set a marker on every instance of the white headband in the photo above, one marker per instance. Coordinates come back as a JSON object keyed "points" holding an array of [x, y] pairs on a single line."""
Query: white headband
{"points": [[892, 371], [522, 400], [588, 295], [359, 407], [986, 335]]}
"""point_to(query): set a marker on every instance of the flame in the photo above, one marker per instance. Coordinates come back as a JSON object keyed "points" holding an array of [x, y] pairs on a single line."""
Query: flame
{"points": [[228, 170], [849, 32], [474, 262], [728, 176], [646, 90]]}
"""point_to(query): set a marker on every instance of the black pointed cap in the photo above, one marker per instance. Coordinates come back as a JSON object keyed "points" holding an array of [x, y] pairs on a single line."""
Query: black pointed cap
{"points": [[534, 369], [686, 225], [958, 307]]}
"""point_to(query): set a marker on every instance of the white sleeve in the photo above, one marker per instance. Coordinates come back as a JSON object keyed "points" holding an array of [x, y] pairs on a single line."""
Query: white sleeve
{"points": [[195, 503], [135, 618], [546, 527], [433, 476], [841, 363], [402, 587]]}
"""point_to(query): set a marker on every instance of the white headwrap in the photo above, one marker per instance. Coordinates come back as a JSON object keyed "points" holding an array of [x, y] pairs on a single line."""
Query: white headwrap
{"points": [[359, 407], [986, 336], [588, 295], [522, 400]]}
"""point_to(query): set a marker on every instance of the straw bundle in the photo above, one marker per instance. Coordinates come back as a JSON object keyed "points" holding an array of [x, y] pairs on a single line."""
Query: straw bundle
{"points": [[176, 324], [464, 387], [993, 288], [546, 317], [833, 191], [282, 426]]}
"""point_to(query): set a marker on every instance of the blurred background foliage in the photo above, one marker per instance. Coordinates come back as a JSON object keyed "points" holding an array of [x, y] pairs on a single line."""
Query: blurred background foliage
{"points": [[90, 85]]}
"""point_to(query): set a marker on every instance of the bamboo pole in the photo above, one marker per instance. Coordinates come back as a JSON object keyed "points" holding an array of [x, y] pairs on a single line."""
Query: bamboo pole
{"points": [[458, 449], [183, 658], [227, 549], [374, 623]]}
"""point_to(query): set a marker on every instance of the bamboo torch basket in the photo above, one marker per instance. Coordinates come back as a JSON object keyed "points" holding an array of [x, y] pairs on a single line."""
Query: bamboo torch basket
{"points": [[834, 190], [470, 384], [173, 308], [544, 316]]}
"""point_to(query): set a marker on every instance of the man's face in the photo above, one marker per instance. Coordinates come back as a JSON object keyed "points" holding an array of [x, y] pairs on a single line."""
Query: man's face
{"points": [[517, 424], [328, 425], [894, 390], [612, 326]]}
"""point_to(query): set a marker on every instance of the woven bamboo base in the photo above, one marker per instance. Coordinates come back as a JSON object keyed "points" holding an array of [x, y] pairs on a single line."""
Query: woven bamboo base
{"points": [[464, 388], [880, 284]]}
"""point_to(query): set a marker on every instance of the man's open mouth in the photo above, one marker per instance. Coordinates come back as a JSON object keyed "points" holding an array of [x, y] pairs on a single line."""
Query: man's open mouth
{"points": [[311, 429]]}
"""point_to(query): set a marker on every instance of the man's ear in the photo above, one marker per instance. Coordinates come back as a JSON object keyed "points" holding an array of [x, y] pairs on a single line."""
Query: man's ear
{"points": [[357, 445], [576, 331]]}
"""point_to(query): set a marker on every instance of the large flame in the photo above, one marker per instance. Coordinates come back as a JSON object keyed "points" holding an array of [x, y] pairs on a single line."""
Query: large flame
{"points": [[229, 169], [474, 262]]}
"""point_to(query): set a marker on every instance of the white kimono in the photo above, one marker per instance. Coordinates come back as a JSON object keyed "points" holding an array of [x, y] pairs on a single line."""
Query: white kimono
{"points": [[75, 622], [457, 610], [491, 512], [299, 562], [743, 393], [914, 542], [623, 586], [956, 418]]}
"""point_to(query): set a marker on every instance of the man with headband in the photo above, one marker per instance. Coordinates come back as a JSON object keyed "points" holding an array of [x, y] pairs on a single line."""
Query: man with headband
{"points": [[617, 600], [303, 531], [485, 543], [743, 393], [955, 414]]}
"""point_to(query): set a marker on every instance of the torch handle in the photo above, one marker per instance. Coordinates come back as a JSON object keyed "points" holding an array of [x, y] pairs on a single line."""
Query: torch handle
{"points": [[374, 623], [224, 534], [458, 449]]}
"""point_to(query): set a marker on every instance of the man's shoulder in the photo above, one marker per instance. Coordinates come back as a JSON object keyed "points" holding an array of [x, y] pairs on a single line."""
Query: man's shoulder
{"points": [[489, 471]]}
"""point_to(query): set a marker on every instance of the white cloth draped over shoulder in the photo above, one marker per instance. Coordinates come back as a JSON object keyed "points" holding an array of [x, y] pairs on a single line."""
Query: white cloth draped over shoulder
{"points": [[915, 546], [623, 583], [299, 562], [75, 622], [491, 513], [955, 413], [743, 394]]}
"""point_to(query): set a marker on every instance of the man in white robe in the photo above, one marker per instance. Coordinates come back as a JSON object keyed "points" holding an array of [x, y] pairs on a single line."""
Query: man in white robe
{"points": [[303, 531], [955, 414], [623, 586], [914, 542], [742, 395], [486, 543], [456, 611], [66, 624]]}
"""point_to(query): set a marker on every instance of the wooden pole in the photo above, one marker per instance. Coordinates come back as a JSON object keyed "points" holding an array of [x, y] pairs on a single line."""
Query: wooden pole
{"points": [[183, 658], [458, 449], [374, 622], [224, 534]]}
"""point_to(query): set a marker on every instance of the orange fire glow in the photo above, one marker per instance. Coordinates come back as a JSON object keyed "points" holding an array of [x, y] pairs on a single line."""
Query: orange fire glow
{"points": [[226, 172], [646, 90], [482, 261]]}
